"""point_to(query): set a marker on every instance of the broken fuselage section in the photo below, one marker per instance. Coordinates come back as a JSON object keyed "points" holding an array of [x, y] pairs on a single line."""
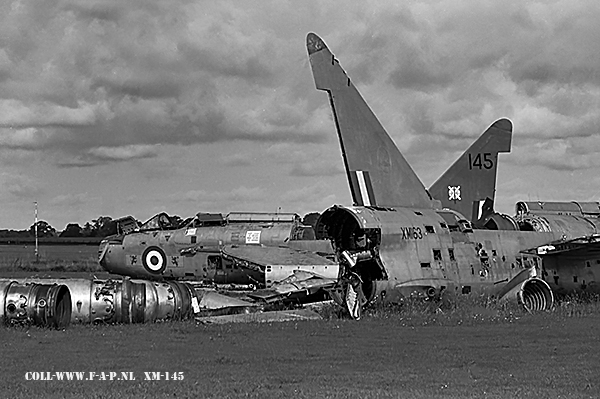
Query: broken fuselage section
{"points": [[572, 260], [386, 254], [207, 248]]}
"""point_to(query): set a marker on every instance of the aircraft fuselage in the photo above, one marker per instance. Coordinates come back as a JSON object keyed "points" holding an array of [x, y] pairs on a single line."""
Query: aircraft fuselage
{"points": [[194, 252], [401, 252]]}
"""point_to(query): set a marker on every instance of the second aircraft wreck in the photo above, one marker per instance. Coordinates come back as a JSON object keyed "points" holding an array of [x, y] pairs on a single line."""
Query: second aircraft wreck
{"points": [[220, 250]]}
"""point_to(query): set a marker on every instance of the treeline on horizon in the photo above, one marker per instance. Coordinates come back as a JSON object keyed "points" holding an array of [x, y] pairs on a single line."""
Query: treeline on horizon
{"points": [[92, 231]]}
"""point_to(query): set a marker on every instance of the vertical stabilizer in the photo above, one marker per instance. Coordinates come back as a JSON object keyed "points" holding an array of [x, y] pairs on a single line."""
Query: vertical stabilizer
{"points": [[378, 174], [472, 178]]}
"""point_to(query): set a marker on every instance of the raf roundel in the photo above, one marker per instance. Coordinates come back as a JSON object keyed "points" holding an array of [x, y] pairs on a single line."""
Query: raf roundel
{"points": [[154, 260]]}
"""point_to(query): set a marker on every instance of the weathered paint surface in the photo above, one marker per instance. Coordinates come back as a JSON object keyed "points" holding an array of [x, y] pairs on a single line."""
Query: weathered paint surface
{"points": [[196, 251]]}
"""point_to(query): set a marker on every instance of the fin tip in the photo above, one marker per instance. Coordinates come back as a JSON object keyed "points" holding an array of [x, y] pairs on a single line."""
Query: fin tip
{"points": [[314, 43], [503, 124]]}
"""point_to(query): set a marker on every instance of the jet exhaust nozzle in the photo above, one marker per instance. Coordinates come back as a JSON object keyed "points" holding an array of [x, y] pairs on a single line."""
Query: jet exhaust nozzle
{"points": [[533, 293], [536, 295], [38, 304]]}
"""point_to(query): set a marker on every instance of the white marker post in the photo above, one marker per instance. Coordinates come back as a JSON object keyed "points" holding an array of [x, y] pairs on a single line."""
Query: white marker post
{"points": [[35, 229]]}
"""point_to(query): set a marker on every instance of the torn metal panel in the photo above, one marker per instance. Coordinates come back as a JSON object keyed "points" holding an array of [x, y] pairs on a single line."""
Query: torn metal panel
{"points": [[209, 300], [300, 285], [126, 225]]}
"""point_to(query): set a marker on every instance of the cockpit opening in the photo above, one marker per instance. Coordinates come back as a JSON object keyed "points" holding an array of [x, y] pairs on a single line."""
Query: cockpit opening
{"points": [[356, 247], [161, 221]]}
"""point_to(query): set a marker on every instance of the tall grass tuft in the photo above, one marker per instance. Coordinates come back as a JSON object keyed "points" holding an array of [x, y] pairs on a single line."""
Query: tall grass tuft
{"points": [[578, 304], [464, 310]]}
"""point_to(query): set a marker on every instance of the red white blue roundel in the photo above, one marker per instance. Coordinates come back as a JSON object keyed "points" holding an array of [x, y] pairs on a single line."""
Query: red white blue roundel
{"points": [[154, 260]]}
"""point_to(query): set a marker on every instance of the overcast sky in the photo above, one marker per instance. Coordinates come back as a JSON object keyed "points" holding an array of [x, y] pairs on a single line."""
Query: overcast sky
{"points": [[134, 107]]}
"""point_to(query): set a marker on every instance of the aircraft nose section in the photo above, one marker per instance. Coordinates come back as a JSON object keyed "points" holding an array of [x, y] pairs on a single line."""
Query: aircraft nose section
{"points": [[110, 254]]}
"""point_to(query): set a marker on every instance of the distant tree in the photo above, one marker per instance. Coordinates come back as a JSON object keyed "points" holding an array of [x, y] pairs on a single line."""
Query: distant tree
{"points": [[43, 229], [72, 230], [14, 233], [107, 228], [101, 227], [100, 222], [88, 230]]}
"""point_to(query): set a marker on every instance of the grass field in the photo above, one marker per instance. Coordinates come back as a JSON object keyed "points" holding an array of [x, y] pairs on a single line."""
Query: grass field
{"points": [[411, 352], [59, 258], [457, 348]]}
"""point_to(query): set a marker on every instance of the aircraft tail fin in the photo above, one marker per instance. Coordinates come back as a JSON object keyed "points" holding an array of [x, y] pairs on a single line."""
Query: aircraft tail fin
{"points": [[466, 185], [377, 172]]}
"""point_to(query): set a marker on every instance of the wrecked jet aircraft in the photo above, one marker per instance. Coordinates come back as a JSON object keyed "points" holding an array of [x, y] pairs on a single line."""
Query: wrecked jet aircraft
{"points": [[395, 241], [571, 261], [230, 250], [193, 251], [215, 249]]}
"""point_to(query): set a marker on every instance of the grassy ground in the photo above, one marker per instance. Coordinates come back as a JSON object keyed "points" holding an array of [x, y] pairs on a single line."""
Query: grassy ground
{"points": [[465, 347], [412, 351], [56, 258]]}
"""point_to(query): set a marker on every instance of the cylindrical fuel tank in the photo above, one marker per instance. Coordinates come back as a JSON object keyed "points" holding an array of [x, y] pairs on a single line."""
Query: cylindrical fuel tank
{"points": [[39, 304]]}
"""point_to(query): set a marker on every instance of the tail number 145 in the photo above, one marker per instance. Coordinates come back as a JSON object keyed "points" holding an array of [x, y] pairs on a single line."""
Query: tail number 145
{"points": [[479, 161]]}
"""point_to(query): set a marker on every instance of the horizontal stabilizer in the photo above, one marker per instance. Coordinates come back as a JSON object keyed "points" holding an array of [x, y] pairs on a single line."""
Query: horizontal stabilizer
{"points": [[378, 173], [472, 178]]}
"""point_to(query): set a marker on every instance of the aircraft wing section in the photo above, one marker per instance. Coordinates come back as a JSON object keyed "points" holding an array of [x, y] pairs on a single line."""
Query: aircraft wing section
{"points": [[289, 274], [585, 247], [471, 180], [377, 172], [279, 263], [297, 287]]}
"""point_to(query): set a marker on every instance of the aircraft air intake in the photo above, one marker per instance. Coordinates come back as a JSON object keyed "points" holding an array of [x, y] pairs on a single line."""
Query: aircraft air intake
{"points": [[41, 305]]}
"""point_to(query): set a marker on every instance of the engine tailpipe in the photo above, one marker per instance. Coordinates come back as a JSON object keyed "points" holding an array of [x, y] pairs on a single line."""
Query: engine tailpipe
{"points": [[536, 295], [41, 305], [533, 293]]}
